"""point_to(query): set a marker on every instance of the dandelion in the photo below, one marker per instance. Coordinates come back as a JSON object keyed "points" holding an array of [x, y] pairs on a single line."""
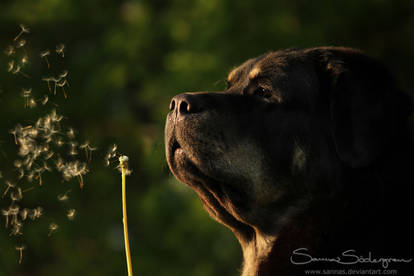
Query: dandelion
{"points": [[10, 51], [44, 55], [71, 214], [52, 228], [60, 50], [123, 164], [20, 249], [23, 29]]}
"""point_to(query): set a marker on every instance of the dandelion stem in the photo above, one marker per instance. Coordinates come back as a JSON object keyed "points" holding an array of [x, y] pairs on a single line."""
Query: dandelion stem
{"points": [[123, 162]]}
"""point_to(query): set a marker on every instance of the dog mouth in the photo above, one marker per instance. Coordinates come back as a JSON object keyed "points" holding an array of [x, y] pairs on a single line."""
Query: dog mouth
{"points": [[209, 189]]}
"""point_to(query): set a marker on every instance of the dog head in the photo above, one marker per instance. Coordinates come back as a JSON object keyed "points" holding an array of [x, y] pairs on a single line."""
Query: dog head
{"points": [[283, 133]]}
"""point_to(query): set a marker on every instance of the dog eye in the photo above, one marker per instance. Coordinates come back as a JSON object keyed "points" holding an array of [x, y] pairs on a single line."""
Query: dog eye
{"points": [[262, 92]]}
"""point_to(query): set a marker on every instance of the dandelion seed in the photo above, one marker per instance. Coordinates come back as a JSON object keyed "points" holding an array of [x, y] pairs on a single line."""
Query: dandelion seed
{"points": [[44, 55], [60, 165], [6, 214], [25, 59], [20, 249], [13, 212], [75, 169], [16, 195], [17, 70], [10, 66], [64, 74], [114, 148], [9, 186], [18, 163], [48, 80], [52, 228], [71, 214], [21, 43], [15, 131], [59, 142], [32, 103], [62, 85], [48, 156], [60, 49], [10, 51], [24, 213], [36, 213], [64, 197], [30, 176], [28, 189], [73, 150], [23, 29], [17, 229], [88, 150], [70, 133], [21, 174], [44, 100]]}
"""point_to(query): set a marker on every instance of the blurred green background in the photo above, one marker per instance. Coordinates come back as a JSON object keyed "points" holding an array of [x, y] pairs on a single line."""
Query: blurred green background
{"points": [[125, 60]]}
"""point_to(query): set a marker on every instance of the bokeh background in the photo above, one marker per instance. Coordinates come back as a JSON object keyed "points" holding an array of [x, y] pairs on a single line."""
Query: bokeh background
{"points": [[125, 60]]}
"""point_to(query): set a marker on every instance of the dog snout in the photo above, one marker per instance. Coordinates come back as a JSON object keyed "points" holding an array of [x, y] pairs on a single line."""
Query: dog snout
{"points": [[186, 103]]}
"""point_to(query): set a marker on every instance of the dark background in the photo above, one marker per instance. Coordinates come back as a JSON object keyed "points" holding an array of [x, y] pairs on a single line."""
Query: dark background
{"points": [[125, 60]]}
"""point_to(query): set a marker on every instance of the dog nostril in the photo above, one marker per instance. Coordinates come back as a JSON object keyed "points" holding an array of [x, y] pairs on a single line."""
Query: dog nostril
{"points": [[184, 107], [172, 105]]}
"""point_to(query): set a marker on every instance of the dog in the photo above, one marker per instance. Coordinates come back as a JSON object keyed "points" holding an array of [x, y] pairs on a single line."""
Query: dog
{"points": [[304, 156]]}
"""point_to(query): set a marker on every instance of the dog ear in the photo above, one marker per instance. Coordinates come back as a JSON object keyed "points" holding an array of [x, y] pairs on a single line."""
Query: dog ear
{"points": [[367, 110]]}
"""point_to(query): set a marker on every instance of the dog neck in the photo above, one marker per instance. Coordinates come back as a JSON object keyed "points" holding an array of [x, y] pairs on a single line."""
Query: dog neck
{"points": [[256, 252]]}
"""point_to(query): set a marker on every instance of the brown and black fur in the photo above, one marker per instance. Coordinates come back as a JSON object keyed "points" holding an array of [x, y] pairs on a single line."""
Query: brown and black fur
{"points": [[306, 148]]}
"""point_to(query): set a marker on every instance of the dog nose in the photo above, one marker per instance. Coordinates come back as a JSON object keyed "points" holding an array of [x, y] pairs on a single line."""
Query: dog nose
{"points": [[185, 103]]}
